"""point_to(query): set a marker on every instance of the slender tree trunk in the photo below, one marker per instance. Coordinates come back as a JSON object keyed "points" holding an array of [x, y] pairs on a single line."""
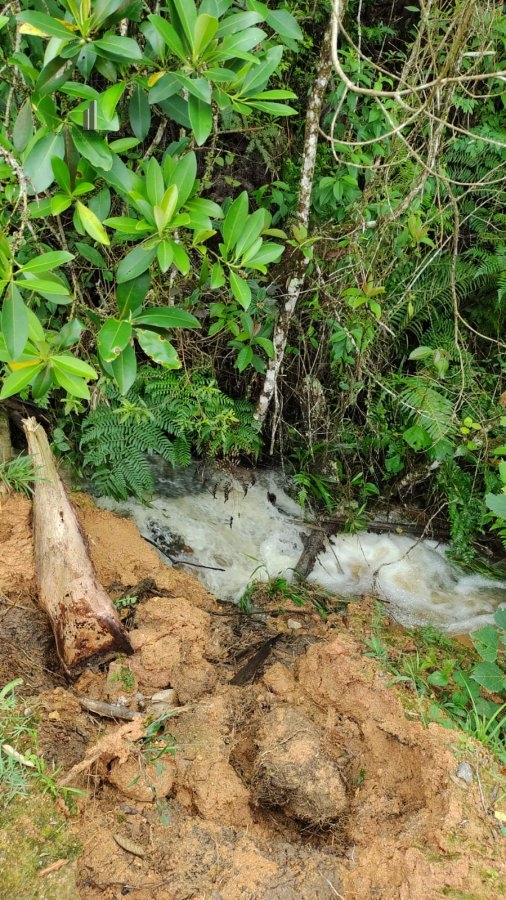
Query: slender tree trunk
{"points": [[5, 437], [298, 274], [84, 621]]}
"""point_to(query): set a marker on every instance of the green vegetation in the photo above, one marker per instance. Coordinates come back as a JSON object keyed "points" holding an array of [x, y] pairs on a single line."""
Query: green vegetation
{"points": [[454, 686]]}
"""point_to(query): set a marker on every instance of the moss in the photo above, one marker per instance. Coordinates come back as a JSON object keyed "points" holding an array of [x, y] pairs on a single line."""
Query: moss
{"points": [[33, 835]]}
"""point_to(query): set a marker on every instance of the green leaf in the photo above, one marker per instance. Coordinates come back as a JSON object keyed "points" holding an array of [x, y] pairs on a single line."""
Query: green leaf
{"points": [[115, 47], [281, 21], [486, 642], [234, 220], [183, 175], [244, 358], [109, 100], [139, 113], [14, 322], [23, 126], [170, 36], [61, 173], [37, 163], [48, 285], [267, 253], [217, 276], [239, 22], [112, 338], [421, 353], [124, 368], [240, 289], [201, 119], [167, 317], [165, 255], [58, 204], [258, 76], [47, 261], [181, 258], [169, 203], [165, 88], [490, 676], [92, 224], [417, 437], [155, 185], [187, 14], [158, 348], [69, 363], [250, 232], [15, 383], [41, 25], [73, 385], [131, 294], [135, 263], [94, 148], [35, 329], [497, 504], [121, 145], [203, 33], [274, 109]]}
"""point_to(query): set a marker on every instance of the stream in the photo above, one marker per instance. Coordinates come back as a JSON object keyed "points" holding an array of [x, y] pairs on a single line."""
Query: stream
{"points": [[244, 526]]}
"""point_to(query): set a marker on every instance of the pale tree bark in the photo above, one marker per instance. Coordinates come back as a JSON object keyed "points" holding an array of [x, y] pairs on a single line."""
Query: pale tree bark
{"points": [[297, 276], [84, 622]]}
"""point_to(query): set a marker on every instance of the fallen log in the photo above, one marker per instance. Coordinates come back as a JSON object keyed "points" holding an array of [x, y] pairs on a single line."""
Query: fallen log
{"points": [[85, 624]]}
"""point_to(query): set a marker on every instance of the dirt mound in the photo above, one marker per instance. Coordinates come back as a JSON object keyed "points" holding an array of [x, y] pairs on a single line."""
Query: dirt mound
{"points": [[310, 783]]}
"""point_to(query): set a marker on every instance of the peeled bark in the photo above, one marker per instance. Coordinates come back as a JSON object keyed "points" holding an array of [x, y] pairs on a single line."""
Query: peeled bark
{"points": [[84, 622]]}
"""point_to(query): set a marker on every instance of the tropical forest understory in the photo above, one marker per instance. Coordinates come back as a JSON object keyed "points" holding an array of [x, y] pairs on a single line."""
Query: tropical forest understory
{"points": [[259, 232]]}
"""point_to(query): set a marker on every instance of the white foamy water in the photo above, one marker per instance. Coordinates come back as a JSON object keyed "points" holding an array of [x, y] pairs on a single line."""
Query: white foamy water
{"points": [[253, 531]]}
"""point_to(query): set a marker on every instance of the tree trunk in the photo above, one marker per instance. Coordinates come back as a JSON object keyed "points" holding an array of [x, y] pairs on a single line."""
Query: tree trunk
{"points": [[298, 274], [84, 621], [5, 436]]}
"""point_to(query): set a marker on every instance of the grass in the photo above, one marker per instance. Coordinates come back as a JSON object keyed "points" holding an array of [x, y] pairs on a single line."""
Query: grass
{"points": [[33, 827]]}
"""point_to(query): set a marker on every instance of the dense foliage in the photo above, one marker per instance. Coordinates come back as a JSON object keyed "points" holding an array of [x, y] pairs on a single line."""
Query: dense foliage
{"points": [[150, 187]]}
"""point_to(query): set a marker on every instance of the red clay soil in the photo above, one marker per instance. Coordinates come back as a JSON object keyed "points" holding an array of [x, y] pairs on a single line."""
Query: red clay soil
{"points": [[312, 782]]}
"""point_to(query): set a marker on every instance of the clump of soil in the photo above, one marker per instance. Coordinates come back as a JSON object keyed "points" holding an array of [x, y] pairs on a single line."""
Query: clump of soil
{"points": [[304, 780]]}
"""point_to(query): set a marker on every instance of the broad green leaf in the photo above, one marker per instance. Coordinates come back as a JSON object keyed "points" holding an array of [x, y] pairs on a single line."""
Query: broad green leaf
{"points": [[201, 119], [91, 254], [55, 73], [170, 202], [37, 163], [183, 175], [94, 148], [58, 204], [158, 348], [204, 31], [42, 383], [196, 87], [217, 276], [14, 322], [244, 358], [417, 437], [238, 45], [240, 289], [165, 255], [110, 98], [274, 109], [486, 642], [421, 353], [266, 254], [500, 621], [187, 14], [92, 224], [15, 383], [68, 335], [252, 227], [115, 47], [35, 329], [239, 22], [124, 368], [61, 173], [135, 263], [131, 294], [68, 363], [258, 76], [155, 185], [40, 25], [490, 676], [23, 126], [139, 112], [170, 36], [50, 284], [100, 203], [121, 145], [112, 338], [181, 258], [83, 91], [281, 21], [167, 317], [496, 503], [128, 225], [121, 178], [73, 385], [234, 220], [165, 88], [47, 261]]}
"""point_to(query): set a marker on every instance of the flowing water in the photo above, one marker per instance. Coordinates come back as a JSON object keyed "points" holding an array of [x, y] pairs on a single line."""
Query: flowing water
{"points": [[245, 527]]}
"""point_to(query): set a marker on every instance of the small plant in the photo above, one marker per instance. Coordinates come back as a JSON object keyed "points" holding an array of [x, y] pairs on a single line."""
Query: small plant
{"points": [[125, 676], [125, 603], [18, 474]]}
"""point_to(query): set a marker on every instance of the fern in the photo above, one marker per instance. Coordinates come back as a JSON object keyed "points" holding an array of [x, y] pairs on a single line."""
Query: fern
{"points": [[429, 408], [164, 413]]}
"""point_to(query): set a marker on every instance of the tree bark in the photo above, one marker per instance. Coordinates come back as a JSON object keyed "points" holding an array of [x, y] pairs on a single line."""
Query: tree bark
{"points": [[84, 622], [296, 280]]}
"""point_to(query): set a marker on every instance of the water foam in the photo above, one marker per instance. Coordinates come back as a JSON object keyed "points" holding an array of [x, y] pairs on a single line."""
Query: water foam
{"points": [[254, 531]]}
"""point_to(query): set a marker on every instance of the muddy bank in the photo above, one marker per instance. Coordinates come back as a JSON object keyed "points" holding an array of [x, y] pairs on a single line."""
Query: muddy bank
{"points": [[310, 782]]}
